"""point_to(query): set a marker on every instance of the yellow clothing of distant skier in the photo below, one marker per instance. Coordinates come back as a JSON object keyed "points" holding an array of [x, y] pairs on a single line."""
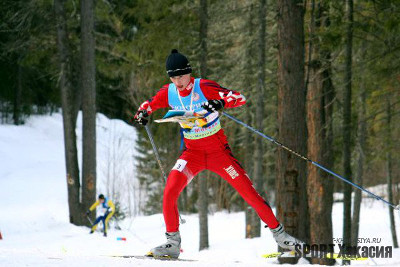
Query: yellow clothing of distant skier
{"points": [[105, 209]]}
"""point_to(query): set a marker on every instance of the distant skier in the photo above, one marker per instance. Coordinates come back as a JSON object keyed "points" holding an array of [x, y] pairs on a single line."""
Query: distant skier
{"points": [[206, 148], [105, 210]]}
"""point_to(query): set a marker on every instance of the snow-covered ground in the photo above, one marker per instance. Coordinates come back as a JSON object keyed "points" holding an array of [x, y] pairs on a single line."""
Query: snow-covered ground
{"points": [[34, 211]]}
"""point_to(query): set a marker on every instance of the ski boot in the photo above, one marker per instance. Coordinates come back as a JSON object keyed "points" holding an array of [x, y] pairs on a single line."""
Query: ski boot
{"points": [[91, 232], [171, 249], [285, 240]]}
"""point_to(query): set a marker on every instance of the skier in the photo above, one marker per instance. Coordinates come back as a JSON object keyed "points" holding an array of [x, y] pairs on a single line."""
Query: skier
{"points": [[206, 148], [106, 211]]}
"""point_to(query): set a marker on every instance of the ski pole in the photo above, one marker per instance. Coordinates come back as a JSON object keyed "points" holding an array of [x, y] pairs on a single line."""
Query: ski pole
{"points": [[159, 161], [309, 160], [91, 223], [156, 152]]}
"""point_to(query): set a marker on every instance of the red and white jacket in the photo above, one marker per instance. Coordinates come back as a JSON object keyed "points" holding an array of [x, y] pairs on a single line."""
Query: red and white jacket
{"points": [[211, 90]]}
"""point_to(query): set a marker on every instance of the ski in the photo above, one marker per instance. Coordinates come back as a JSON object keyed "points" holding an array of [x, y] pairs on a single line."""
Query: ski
{"points": [[292, 254], [139, 257]]}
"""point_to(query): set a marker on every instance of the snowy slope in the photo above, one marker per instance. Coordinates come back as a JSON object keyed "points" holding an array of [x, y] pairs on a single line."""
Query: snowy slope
{"points": [[34, 211]]}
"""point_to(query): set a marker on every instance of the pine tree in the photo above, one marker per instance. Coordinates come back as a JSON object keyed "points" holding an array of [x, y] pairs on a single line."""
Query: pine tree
{"points": [[69, 116], [291, 171], [319, 118]]}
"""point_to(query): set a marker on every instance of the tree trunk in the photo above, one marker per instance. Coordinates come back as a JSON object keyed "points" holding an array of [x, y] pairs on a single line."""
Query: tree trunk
{"points": [[250, 214], [347, 189], [17, 97], [88, 86], [203, 191], [259, 116], [291, 194], [389, 171], [203, 210], [362, 131], [69, 117], [319, 184], [203, 37]]}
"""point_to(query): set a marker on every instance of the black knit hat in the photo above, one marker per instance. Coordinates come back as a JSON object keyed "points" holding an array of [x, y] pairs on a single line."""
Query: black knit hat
{"points": [[101, 196], [177, 64]]}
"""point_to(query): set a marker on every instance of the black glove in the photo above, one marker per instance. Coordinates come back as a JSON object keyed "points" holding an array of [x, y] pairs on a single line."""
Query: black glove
{"points": [[213, 105], [141, 117], [88, 212]]}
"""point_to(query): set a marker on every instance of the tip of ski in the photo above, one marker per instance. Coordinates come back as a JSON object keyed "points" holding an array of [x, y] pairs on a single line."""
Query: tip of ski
{"points": [[149, 257]]}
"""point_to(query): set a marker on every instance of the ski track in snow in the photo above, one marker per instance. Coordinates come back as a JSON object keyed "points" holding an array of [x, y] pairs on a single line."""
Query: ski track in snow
{"points": [[34, 213]]}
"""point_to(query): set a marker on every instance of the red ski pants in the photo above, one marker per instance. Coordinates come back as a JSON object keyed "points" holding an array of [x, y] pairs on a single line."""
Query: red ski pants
{"points": [[222, 162]]}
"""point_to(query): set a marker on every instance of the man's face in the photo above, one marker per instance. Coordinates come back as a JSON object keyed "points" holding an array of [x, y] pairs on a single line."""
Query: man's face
{"points": [[101, 200], [181, 81]]}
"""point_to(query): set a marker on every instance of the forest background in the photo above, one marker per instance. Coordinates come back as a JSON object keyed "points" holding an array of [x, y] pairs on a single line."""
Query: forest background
{"points": [[321, 76]]}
